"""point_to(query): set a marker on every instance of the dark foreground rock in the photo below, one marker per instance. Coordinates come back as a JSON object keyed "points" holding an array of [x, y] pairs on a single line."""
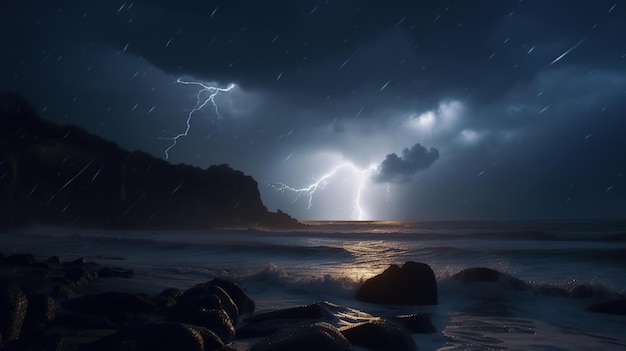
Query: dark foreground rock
{"points": [[268, 323], [413, 284], [617, 306], [13, 306], [309, 337], [200, 318], [237, 293], [63, 175], [488, 275], [110, 304], [380, 335], [416, 323], [159, 336]]}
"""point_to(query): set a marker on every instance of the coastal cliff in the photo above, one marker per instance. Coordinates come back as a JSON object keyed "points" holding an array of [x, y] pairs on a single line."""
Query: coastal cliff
{"points": [[63, 175]]}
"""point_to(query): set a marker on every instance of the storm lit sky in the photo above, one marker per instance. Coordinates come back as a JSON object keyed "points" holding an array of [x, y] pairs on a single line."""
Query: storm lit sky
{"points": [[348, 109]]}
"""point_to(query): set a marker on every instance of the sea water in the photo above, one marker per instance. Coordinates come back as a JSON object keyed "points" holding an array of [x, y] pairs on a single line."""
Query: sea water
{"points": [[568, 266]]}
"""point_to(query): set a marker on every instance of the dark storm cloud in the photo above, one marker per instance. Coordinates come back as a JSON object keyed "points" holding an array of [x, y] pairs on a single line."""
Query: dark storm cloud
{"points": [[524, 98], [309, 50], [397, 169]]}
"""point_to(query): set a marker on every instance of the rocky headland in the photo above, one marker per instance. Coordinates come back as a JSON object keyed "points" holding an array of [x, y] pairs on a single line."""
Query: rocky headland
{"points": [[63, 175]]}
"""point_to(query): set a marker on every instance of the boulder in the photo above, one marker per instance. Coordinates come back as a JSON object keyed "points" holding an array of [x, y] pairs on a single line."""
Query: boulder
{"points": [[237, 293], [62, 291], [488, 275], [413, 284], [79, 321], [171, 292], [19, 259], [54, 260], [209, 296], [617, 306], [309, 337], [312, 311], [380, 335], [268, 323], [215, 320], [167, 336], [416, 323], [158, 336], [479, 274], [79, 276], [41, 309], [110, 304], [13, 307]]}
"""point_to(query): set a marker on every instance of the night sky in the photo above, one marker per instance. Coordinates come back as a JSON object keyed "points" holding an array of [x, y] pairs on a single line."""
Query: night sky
{"points": [[428, 109]]}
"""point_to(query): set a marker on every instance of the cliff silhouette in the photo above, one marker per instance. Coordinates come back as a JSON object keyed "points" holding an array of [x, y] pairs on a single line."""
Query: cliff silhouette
{"points": [[63, 175]]}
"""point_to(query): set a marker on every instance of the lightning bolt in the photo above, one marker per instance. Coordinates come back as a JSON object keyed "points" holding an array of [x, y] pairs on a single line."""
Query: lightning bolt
{"points": [[206, 95], [361, 176]]}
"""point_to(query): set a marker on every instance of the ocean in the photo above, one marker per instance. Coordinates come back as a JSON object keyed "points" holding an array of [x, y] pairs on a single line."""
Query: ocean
{"points": [[568, 265]]}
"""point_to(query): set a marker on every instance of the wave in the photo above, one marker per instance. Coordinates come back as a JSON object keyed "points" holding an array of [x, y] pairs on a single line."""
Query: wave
{"points": [[596, 230], [248, 247], [509, 287]]}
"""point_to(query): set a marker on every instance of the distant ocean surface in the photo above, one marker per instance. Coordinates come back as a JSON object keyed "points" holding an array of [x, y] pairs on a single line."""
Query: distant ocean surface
{"points": [[568, 264]]}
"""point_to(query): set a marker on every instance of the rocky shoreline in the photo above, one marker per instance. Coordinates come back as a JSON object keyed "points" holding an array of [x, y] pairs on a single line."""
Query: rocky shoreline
{"points": [[55, 305], [49, 305]]}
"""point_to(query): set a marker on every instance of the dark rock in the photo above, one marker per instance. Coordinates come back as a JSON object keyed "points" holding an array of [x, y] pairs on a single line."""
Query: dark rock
{"points": [[192, 302], [215, 320], [237, 293], [312, 311], [171, 292], [107, 272], [416, 323], [158, 336], [227, 303], [169, 336], [41, 309], [167, 298], [13, 307], [380, 335], [79, 262], [109, 303], [37, 339], [211, 340], [480, 274], [54, 260], [265, 324], [488, 275], [310, 337], [617, 306], [19, 259], [81, 321], [79, 276], [62, 291], [163, 302], [413, 284], [209, 296], [259, 330]]}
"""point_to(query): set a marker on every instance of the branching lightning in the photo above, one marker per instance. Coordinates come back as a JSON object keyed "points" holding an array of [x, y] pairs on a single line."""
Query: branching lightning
{"points": [[361, 176], [206, 95]]}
